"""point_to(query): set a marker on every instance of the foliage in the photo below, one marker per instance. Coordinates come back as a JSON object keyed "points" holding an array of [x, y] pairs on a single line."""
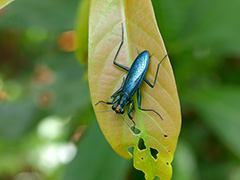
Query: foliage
{"points": [[3, 3], [40, 85], [158, 136], [104, 155], [82, 31]]}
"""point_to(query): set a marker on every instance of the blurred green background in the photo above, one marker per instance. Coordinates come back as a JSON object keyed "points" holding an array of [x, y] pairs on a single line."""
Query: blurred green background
{"points": [[47, 126]]}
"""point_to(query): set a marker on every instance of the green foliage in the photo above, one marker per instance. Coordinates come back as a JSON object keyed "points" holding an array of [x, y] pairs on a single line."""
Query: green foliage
{"points": [[82, 31], [14, 114], [53, 16], [102, 163], [203, 37], [3, 3], [225, 123], [158, 136]]}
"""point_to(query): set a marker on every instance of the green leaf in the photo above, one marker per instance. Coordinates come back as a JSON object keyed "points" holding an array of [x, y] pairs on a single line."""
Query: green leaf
{"points": [[207, 24], [141, 33], [3, 3], [96, 159], [17, 118], [219, 108], [28, 14], [82, 31], [185, 163]]}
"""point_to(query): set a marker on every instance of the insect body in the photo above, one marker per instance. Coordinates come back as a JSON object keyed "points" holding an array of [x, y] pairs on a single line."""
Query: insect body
{"points": [[123, 96]]}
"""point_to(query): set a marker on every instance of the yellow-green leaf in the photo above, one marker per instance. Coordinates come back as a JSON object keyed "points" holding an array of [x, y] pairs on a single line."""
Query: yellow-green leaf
{"points": [[82, 31], [3, 3], [141, 33]]}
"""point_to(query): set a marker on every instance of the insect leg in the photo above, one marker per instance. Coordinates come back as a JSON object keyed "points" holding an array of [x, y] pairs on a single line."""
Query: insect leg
{"points": [[139, 104], [114, 61], [118, 91], [123, 82], [145, 79], [109, 103], [131, 108]]}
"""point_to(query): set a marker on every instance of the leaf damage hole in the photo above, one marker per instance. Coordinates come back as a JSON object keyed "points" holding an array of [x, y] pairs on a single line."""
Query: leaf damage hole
{"points": [[135, 130], [142, 158], [141, 144], [131, 149], [167, 163], [156, 178], [169, 151], [165, 135], [154, 152]]}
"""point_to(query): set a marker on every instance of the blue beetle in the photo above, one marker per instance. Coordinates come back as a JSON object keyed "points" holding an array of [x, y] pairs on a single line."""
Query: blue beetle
{"points": [[123, 96]]}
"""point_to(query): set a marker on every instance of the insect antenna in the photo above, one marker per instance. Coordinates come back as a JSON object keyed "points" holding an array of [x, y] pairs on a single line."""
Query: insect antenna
{"points": [[133, 128], [124, 121], [103, 111]]}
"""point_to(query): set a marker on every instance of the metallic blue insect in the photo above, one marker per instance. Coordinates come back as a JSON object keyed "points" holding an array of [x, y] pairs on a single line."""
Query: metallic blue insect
{"points": [[123, 96]]}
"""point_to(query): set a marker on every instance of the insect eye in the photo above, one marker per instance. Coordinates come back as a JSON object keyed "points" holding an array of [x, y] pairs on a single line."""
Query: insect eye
{"points": [[121, 110], [114, 106]]}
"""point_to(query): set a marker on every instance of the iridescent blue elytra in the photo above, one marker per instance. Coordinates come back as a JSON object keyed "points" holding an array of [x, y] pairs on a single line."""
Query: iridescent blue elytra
{"points": [[123, 96], [136, 73]]}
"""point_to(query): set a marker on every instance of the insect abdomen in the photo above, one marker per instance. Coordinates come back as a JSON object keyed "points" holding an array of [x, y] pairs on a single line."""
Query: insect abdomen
{"points": [[136, 73]]}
